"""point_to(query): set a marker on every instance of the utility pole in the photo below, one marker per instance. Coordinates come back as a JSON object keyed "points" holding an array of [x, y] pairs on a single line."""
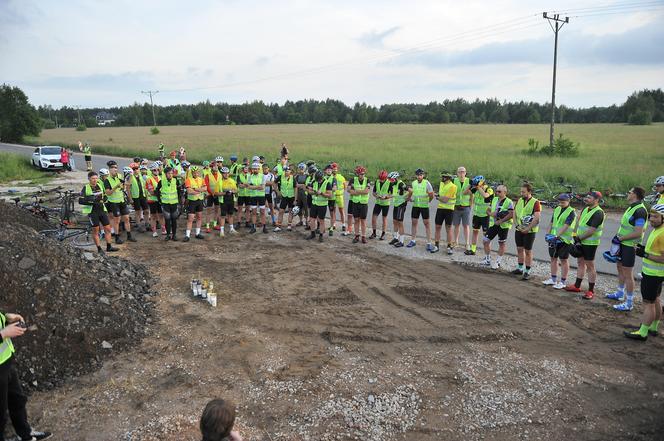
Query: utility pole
{"points": [[151, 93], [79, 114], [557, 25]]}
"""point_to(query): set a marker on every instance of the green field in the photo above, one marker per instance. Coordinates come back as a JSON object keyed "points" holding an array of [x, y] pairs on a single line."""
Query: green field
{"points": [[613, 156], [15, 167]]}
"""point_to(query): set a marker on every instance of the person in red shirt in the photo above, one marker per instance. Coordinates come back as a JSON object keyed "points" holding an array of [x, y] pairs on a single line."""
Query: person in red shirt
{"points": [[64, 158]]}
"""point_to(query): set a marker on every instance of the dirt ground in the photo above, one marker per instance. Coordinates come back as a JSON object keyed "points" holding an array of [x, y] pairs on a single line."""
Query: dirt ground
{"points": [[337, 341]]}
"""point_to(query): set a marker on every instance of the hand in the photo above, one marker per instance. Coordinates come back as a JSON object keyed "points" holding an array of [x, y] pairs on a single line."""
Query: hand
{"points": [[12, 318], [12, 331], [235, 436], [640, 250]]}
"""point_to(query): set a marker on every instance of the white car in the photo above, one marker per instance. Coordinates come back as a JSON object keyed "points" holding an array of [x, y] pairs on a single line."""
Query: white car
{"points": [[47, 157]]}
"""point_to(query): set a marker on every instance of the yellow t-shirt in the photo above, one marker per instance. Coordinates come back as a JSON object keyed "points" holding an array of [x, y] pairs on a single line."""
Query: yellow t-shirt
{"points": [[448, 190], [228, 184]]}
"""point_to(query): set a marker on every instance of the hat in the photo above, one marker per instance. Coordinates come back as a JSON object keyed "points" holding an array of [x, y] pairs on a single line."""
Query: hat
{"points": [[446, 175], [563, 197], [595, 195]]}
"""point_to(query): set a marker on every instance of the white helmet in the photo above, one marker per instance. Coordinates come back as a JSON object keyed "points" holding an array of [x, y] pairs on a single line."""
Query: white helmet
{"points": [[154, 166], [256, 165], [658, 208], [255, 159], [127, 170], [103, 172], [659, 181], [219, 159], [295, 210]]}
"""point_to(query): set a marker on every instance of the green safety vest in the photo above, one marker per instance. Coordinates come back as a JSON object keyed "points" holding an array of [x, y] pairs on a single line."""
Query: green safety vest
{"points": [[464, 199], [382, 190], [256, 180], [319, 200], [243, 179], [521, 210], [360, 198], [87, 209], [280, 169], [6, 347], [86, 150], [399, 199], [286, 186], [117, 196], [442, 189], [233, 169], [420, 196], [331, 179], [627, 228], [503, 207], [480, 205], [583, 226], [650, 267], [197, 183], [169, 191], [559, 217], [135, 190]]}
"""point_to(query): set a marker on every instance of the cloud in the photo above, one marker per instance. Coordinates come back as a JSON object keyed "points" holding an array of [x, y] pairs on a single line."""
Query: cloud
{"points": [[107, 82], [375, 39]]}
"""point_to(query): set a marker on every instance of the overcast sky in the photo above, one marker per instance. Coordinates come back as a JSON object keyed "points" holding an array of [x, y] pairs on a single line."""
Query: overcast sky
{"points": [[103, 53]]}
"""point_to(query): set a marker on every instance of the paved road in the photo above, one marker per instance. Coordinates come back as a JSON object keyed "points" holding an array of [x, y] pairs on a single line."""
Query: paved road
{"points": [[541, 250]]}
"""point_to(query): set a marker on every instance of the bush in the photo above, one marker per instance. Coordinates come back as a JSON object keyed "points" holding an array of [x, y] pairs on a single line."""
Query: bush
{"points": [[47, 124], [640, 118], [562, 146], [154, 131], [81, 128]]}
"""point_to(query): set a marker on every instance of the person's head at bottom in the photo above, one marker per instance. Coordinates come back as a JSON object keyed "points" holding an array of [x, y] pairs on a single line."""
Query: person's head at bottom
{"points": [[217, 421]]}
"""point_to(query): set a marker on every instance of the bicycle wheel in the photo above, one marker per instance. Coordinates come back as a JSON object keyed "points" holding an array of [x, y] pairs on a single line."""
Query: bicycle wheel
{"points": [[53, 234], [82, 238]]}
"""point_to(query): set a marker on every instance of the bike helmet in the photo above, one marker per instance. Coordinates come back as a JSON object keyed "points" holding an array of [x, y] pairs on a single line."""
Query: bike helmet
{"points": [[335, 166], [446, 174], [295, 211], [103, 172], [502, 214], [143, 167], [286, 168], [659, 181], [382, 175], [261, 158], [302, 166], [328, 167], [477, 180], [194, 168], [233, 157], [219, 159], [312, 169], [419, 172], [256, 165], [111, 163], [319, 175], [310, 163], [168, 169], [205, 163], [154, 166], [360, 170], [658, 208], [225, 170], [393, 176], [159, 163], [127, 170], [245, 166], [134, 165], [550, 238], [255, 158]]}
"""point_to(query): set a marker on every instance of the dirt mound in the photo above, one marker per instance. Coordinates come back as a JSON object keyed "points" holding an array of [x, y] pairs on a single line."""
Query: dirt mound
{"points": [[11, 214], [80, 307]]}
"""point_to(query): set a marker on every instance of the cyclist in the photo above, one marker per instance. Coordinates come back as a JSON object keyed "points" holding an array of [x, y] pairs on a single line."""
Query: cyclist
{"points": [[233, 168], [421, 193], [170, 192], [331, 202], [93, 193], [153, 200], [196, 190], [462, 209], [527, 217], [87, 153], [243, 195], [256, 196], [560, 240], [658, 186], [400, 197], [161, 151], [268, 183], [301, 194], [501, 215], [283, 160], [653, 276], [227, 201], [309, 187], [588, 233], [359, 191], [186, 172], [382, 196], [339, 194], [116, 204], [213, 189], [482, 196], [285, 185], [174, 163], [137, 194], [320, 190], [632, 227], [447, 193]]}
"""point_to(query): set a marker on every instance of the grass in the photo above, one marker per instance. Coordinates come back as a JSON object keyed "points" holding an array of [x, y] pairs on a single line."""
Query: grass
{"points": [[15, 167], [613, 158]]}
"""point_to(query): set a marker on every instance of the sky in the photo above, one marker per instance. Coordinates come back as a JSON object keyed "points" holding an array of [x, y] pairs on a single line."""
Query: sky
{"points": [[104, 53]]}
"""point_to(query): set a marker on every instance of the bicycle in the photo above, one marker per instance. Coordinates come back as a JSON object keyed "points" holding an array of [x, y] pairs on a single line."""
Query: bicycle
{"points": [[80, 237], [36, 208], [652, 198]]}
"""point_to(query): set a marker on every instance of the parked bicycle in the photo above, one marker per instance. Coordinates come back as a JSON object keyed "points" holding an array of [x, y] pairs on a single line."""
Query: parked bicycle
{"points": [[78, 236]]}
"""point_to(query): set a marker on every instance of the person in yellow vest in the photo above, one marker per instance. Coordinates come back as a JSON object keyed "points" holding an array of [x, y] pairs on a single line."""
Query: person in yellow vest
{"points": [[421, 193], [653, 276], [269, 206], [320, 190], [359, 192], [382, 197], [301, 196], [213, 189], [527, 214], [227, 202], [559, 238], [116, 203], [482, 195], [196, 191], [501, 217], [256, 196], [87, 153], [632, 226], [137, 195], [145, 174], [463, 207], [658, 186], [447, 194], [332, 200], [93, 196], [285, 187], [244, 199], [588, 233], [12, 398], [400, 195], [339, 194], [154, 206], [170, 191]]}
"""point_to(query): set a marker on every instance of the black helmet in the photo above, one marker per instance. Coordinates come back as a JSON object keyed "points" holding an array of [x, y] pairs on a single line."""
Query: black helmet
{"points": [[111, 163], [313, 169], [319, 175], [168, 169], [310, 162], [419, 171]]}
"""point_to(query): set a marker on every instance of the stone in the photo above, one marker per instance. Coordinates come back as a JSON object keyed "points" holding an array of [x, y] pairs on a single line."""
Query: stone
{"points": [[106, 345], [104, 300], [89, 256], [26, 263]]}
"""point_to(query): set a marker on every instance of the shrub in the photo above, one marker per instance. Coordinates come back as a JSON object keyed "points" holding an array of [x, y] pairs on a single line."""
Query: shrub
{"points": [[81, 128], [640, 118], [562, 146], [154, 131]]}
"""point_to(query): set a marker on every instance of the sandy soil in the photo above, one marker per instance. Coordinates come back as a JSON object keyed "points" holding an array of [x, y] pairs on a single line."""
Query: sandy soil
{"points": [[340, 341]]}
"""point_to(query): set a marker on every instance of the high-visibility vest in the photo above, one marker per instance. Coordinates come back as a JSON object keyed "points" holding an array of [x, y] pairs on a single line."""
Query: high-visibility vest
{"points": [[627, 228], [286, 186], [153, 180], [360, 198], [256, 180], [330, 180], [649, 266], [215, 182], [169, 191], [228, 184], [399, 199], [382, 189], [339, 192], [464, 199], [583, 226], [87, 209], [195, 183], [6, 347], [117, 196], [243, 178], [504, 206], [319, 200], [137, 186], [480, 205], [420, 195], [443, 191], [86, 150], [521, 210], [559, 218]]}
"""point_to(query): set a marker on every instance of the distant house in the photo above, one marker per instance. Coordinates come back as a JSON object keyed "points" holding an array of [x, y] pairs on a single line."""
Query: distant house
{"points": [[105, 118]]}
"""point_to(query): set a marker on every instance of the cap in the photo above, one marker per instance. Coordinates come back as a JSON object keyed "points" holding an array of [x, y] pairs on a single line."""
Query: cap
{"points": [[563, 197], [595, 195]]}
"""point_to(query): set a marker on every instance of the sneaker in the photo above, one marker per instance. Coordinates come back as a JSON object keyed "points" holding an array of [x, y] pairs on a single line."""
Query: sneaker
{"points": [[186, 239], [626, 307], [356, 239], [618, 295], [299, 224], [222, 233], [411, 244], [373, 236], [485, 262], [233, 231], [118, 240], [174, 239], [320, 238], [311, 236], [429, 246], [253, 230], [168, 237], [469, 253], [393, 241], [37, 436], [495, 265], [572, 288], [525, 276], [450, 251], [588, 295], [199, 236], [382, 236], [277, 229], [155, 234], [217, 228], [636, 328], [434, 249], [111, 249], [549, 282], [398, 245], [330, 232], [289, 228], [264, 229], [364, 239], [517, 272], [559, 285], [634, 335], [131, 239]]}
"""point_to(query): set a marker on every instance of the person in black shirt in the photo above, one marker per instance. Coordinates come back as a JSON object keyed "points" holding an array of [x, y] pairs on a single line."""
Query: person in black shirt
{"points": [[92, 195]]}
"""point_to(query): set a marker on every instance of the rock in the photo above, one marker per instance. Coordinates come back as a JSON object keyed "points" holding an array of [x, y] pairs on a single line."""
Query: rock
{"points": [[44, 279], [106, 345], [68, 271], [26, 263], [104, 300]]}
